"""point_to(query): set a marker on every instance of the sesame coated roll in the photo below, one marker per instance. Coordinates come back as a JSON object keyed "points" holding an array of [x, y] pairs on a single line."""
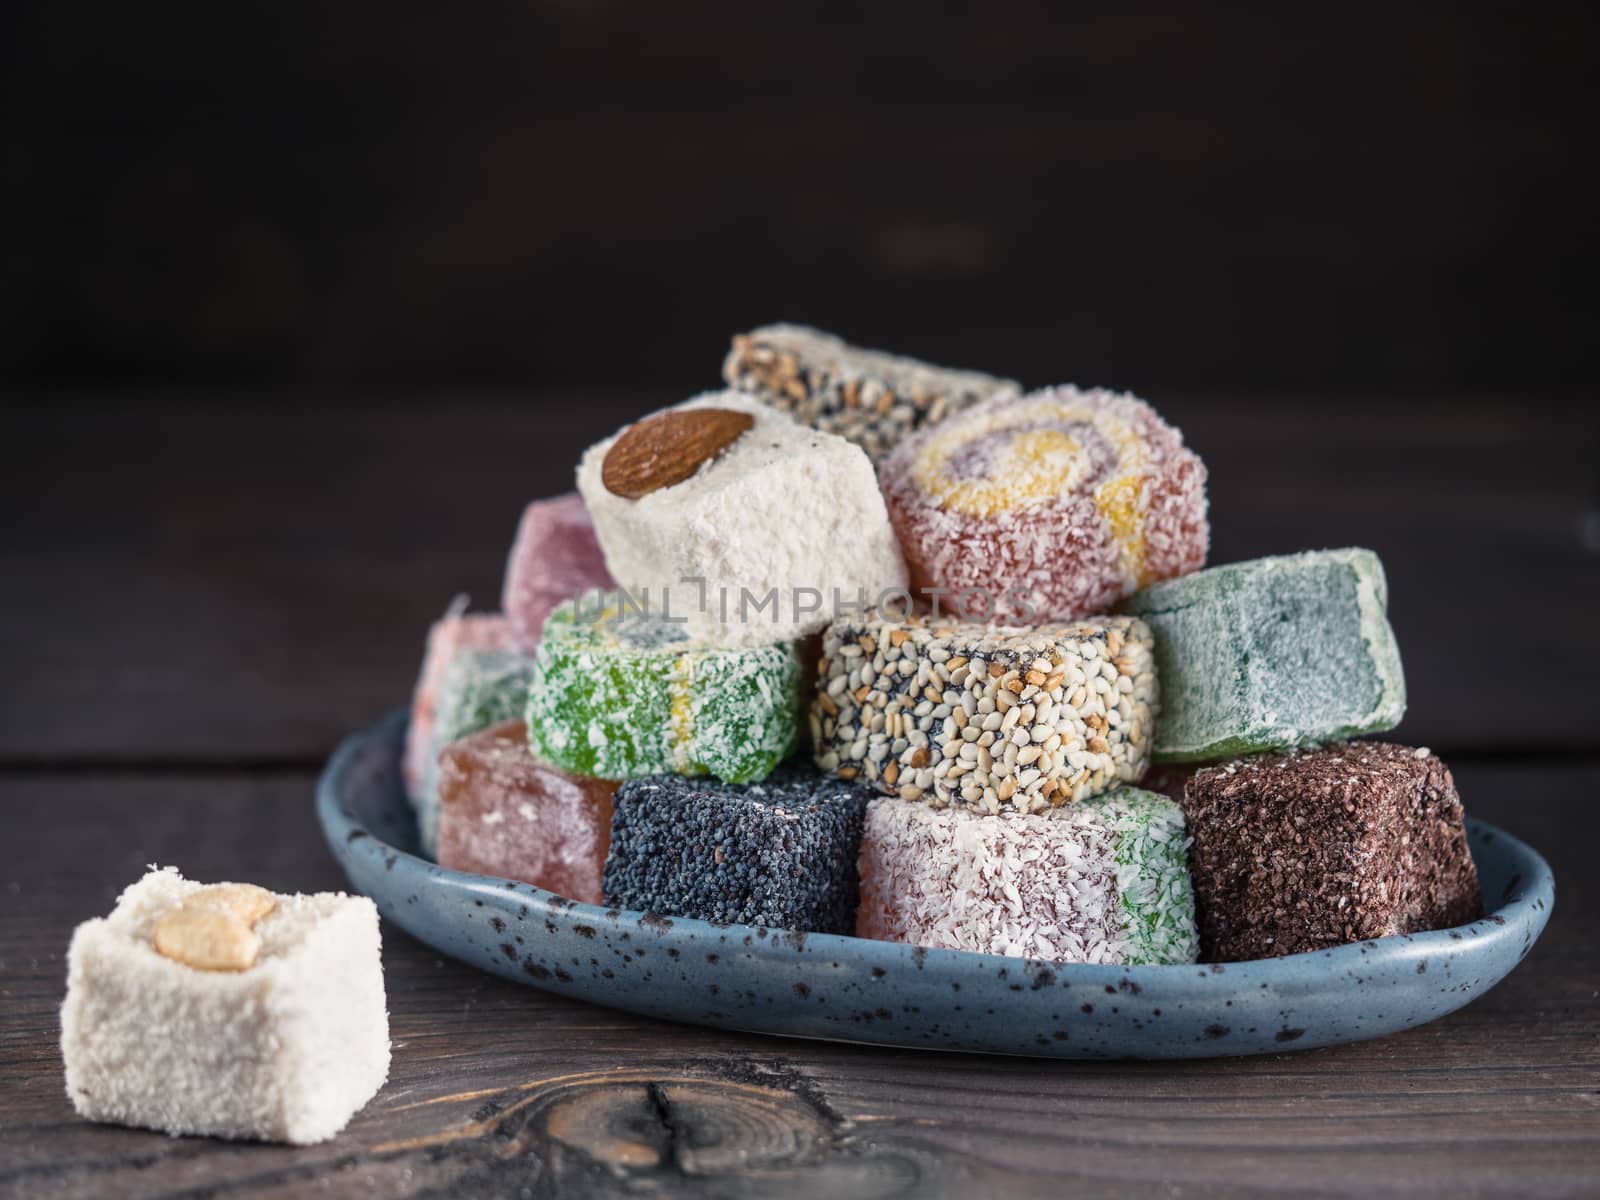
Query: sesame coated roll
{"points": [[865, 396], [985, 716]]}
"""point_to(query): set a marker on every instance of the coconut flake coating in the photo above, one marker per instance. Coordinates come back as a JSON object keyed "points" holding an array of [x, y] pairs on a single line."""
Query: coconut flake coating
{"points": [[770, 528], [1272, 654], [1316, 848], [985, 716], [286, 1050], [480, 688], [1061, 500], [866, 396], [456, 630], [1104, 881], [554, 558], [618, 694], [780, 853]]}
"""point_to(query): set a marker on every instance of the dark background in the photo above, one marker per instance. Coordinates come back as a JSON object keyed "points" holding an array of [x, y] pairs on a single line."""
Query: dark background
{"points": [[1380, 197], [310, 301]]}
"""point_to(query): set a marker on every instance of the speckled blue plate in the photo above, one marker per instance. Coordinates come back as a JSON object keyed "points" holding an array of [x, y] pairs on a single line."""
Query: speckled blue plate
{"points": [[848, 989]]}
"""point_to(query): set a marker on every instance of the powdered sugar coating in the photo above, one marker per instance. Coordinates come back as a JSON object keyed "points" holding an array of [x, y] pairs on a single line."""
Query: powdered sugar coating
{"points": [[457, 630], [555, 557], [1103, 881], [1273, 653], [619, 694], [503, 812], [784, 511], [1065, 499]]}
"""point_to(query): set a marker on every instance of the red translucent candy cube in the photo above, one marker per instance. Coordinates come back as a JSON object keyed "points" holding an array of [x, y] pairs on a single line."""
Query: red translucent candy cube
{"points": [[503, 812]]}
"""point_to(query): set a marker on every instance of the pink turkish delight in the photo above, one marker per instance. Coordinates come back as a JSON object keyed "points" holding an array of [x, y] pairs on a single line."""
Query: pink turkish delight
{"points": [[1059, 502], [555, 558], [454, 632]]}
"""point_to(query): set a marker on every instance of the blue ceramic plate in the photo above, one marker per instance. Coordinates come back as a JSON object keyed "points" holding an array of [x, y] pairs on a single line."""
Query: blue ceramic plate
{"points": [[849, 989]]}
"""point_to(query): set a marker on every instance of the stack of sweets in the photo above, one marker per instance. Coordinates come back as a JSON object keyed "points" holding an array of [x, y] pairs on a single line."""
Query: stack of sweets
{"points": [[971, 776], [624, 733], [1309, 841], [1003, 739], [718, 502], [1006, 752], [486, 803], [767, 517]]}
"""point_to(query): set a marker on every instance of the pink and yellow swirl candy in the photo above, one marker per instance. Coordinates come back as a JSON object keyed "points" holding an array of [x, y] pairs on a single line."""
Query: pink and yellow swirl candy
{"points": [[1061, 500]]}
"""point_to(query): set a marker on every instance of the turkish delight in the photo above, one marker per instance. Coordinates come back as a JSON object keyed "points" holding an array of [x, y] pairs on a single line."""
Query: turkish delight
{"points": [[1101, 881], [617, 693], [226, 1011], [1272, 654], [983, 716], [503, 812], [1316, 848], [554, 558], [865, 396], [480, 688], [1046, 507], [457, 630], [737, 521], [779, 853]]}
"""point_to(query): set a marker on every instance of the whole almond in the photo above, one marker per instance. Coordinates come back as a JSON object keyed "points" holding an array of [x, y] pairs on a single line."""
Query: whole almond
{"points": [[668, 448]]}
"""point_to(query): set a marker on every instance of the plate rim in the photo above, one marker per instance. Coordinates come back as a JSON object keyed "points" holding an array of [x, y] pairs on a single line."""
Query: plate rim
{"points": [[1303, 974]]}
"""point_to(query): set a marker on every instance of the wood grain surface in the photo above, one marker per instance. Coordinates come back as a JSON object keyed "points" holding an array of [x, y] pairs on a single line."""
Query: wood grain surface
{"points": [[201, 598], [496, 1087]]}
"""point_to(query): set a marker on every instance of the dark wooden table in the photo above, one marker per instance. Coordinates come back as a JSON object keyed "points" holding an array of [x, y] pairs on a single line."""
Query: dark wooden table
{"points": [[202, 597]]}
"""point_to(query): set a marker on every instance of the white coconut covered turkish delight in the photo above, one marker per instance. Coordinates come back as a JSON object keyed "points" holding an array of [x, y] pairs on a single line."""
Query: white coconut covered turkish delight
{"points": [[226, 1010], [751, 528]]}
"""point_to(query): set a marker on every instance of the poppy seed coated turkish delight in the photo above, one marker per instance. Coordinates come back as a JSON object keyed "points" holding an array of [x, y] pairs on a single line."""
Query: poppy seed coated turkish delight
{"points": [[780, 853]]}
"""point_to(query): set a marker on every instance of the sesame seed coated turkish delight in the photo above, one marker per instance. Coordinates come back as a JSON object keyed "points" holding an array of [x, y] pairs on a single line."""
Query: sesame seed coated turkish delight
{"points": [[866, 396], [983, 716]]}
